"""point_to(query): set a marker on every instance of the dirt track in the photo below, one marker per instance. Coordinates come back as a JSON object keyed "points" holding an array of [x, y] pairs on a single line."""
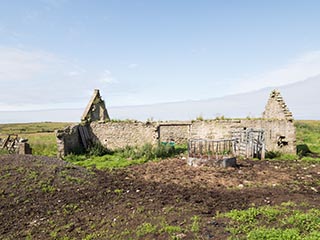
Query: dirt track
{"points": [[47, 198]]}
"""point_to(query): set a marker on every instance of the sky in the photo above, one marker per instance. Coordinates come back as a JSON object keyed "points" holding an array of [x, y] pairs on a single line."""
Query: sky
{"points": [[54, 53]]}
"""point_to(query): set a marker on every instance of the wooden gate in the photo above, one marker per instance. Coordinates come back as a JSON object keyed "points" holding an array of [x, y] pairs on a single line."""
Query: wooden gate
{"points": [[250, 143]]}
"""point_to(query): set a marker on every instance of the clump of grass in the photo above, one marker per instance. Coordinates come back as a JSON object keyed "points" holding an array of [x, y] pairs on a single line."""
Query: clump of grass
{"points": [[145, 228], [276, 155], [147, 151], [97, 150], [285, 221], [3, 151], [200, 118], [273, 154], [195, 225]]}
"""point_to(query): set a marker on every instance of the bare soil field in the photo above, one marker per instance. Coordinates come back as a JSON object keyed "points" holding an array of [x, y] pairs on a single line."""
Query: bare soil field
{"points": [[47, 198]]}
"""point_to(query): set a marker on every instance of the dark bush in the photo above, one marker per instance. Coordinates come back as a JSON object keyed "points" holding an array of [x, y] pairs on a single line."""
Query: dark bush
{"points": [[98, 150], [273, 154], [303, 150]]}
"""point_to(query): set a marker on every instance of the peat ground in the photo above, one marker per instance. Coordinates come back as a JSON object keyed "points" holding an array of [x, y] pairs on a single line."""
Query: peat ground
{"points": [[47, 198]]}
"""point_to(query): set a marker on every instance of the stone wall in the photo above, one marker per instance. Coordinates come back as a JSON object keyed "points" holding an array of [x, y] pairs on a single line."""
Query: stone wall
{"points": [[279, 134], [179, 132], [115, 135], [277, 124], [68, 141]]}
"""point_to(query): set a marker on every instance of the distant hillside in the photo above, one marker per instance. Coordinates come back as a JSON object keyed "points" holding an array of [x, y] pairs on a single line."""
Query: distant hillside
{"points": [[301, 97]]}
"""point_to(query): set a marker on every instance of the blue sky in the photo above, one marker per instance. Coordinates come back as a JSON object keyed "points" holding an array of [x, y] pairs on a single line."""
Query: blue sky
{"points": [[53, 53]]}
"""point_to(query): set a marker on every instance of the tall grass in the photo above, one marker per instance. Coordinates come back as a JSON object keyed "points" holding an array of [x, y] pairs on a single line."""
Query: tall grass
{"points": [[308, 136], [125, 157], [44, 144], [26, 128], [40, 136]]}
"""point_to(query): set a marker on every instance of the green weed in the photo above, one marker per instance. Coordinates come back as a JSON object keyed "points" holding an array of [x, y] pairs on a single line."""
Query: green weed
{"points": [[195, 227], [46, 187], [145, 228], [277, 222], [272, 233], [171, 229], [70, 208]]}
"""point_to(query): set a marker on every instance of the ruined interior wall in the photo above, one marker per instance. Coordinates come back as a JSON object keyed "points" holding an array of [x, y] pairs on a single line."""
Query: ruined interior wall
{"points": [[115, 135], [179, 133], [280, 135], [98, 112], [274, 130], [213, 129], [68, 141]]}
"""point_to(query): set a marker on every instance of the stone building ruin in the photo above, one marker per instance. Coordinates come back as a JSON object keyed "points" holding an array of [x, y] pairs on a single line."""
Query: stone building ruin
{"points": [[96, 109], [276, 125]]}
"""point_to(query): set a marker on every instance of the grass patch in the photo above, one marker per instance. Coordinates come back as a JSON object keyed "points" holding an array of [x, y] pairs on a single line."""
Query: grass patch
{"points": [[125, 157], [146, 228], [42, 144], [27, 128], [41, 135], [308, 137], [195, 225], [284, 221]]}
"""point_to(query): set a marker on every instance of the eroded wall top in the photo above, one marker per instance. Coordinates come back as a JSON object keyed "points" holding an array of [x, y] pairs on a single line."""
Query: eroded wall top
{"points": [[96, 109], [276, 108]]}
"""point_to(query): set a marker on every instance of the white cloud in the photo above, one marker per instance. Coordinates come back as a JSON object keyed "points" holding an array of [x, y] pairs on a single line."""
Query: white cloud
{"points": [[21, 65], [54, 3], [33, 79], [107, 77], [298, 69], [73, 73], [133, 66], [76, 71]]}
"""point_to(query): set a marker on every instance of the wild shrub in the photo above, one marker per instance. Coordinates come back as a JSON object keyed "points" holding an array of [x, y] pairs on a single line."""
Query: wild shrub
{"points": [[303, 150], [97, 150], [273, 154], [147, 151]]}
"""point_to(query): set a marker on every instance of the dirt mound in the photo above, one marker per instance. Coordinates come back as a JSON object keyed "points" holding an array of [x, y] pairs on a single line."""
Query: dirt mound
{"points": [[46, 198]]}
